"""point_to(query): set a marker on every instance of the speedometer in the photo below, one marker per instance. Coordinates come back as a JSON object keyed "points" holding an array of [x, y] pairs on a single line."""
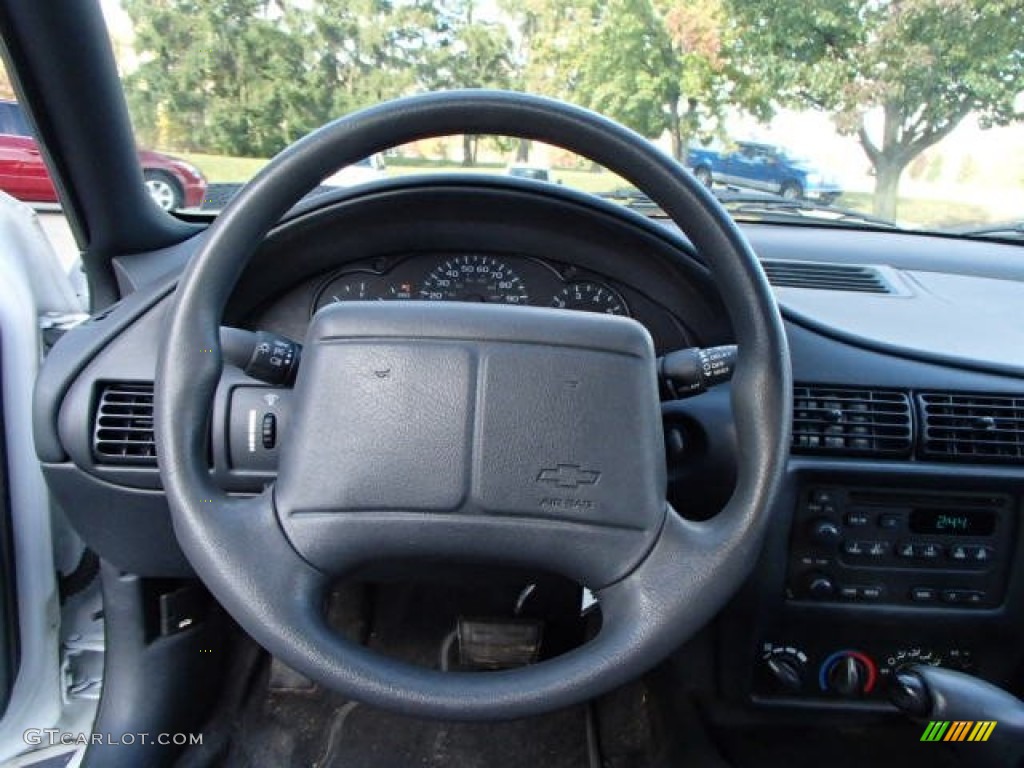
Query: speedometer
{"points": [[474, 278]]}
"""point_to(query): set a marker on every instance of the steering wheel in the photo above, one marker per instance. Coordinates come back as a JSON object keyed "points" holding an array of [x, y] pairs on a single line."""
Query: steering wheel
{"points": [[484, 433]]}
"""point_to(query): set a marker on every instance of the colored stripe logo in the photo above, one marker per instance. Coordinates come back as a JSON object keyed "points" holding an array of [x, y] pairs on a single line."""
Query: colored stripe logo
{"points": [[958, 730]]}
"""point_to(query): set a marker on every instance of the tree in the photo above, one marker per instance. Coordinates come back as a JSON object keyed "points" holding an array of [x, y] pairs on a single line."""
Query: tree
{"points": [[921, 66], [636, 72], [248, 77], [469, 53], [548, 41], [658, 66], [213, 75], [367, 51]]}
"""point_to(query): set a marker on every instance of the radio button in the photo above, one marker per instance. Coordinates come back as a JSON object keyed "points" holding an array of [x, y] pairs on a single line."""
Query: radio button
{"points": [[963, 596], [856, 548], [867, 594], [857, 519], [870, 593], [960, 553], [889, 522], [980, 554], [878, 548]]}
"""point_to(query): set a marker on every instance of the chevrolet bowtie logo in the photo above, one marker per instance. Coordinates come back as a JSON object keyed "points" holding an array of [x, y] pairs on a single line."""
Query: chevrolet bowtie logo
{"points": [[569, 476]]}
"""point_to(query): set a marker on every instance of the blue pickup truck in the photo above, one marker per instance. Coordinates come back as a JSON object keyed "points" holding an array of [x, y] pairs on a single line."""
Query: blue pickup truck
{"points": [[764, 167]]}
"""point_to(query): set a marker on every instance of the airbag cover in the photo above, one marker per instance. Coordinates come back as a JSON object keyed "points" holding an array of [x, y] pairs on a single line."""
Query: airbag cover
{"points": [[467, 410]]}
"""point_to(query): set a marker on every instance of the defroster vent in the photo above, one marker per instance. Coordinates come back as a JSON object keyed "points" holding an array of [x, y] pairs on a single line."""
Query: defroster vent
{"points": [[123, 430], [825, 277], [858, 422], [972, 428]]}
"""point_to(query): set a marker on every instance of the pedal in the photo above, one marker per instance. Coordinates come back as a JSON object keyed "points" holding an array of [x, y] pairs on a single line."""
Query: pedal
{"points": [[498, 643], [284, 679]]}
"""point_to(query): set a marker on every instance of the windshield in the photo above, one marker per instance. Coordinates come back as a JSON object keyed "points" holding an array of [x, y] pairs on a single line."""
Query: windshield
{"points": [[903, 111]]}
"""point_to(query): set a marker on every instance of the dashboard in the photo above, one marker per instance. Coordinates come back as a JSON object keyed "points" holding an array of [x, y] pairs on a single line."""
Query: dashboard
{"points": [[507, 247], [891, 538], [476, 277]]}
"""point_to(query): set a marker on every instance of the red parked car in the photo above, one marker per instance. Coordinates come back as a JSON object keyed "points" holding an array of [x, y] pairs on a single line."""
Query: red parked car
{"points": [[172, 183]]}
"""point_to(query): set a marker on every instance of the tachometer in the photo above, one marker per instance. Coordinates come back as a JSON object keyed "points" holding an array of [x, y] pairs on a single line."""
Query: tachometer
{"points": [[474, 278], [590, 297]]}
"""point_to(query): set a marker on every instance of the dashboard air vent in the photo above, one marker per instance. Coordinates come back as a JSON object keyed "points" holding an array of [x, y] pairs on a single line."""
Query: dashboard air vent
{"points": [[858, 422], [123, 431], [825, 277], [972, 428]]}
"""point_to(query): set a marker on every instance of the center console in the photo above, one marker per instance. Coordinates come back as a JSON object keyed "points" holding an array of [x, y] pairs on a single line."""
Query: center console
{"points": [[861, 578]]}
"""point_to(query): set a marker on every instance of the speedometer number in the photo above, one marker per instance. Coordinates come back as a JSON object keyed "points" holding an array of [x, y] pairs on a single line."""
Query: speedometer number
{"points": [[474, 278]]}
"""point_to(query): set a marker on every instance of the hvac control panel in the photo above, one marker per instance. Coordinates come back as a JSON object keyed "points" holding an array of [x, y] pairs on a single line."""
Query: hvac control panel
{"points": [[948, 550], [827, 672]]}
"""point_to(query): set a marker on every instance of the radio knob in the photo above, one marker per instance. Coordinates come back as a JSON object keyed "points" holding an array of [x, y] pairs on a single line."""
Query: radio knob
{"points": [[820, 586], [824, 531]]}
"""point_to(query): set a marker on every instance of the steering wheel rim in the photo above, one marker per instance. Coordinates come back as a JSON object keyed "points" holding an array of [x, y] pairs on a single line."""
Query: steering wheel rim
{"points": [[237, 546]]}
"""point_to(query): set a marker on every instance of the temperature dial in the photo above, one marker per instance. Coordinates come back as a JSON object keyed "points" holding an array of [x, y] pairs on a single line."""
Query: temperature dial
{"points": [[848, 673]]}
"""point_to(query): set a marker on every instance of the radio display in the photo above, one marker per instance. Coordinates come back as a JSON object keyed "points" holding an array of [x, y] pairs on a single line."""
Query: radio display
{"points": [[950, 522]]}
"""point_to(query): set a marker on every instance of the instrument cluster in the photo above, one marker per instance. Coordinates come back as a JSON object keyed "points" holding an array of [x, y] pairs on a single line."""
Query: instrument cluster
{"points": [[473, 277]]}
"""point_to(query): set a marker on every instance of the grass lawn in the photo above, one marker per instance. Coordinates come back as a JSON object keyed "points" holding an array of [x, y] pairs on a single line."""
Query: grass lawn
{"points": [[930, 214], [221, 169], [913, 211], [588, 181]]}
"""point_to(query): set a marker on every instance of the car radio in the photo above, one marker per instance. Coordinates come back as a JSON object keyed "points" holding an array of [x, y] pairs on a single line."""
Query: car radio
{"points": [[900, 547]]}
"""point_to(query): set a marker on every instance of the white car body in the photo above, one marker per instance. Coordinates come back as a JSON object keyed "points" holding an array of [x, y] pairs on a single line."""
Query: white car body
{"points": [[366, 170]]}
